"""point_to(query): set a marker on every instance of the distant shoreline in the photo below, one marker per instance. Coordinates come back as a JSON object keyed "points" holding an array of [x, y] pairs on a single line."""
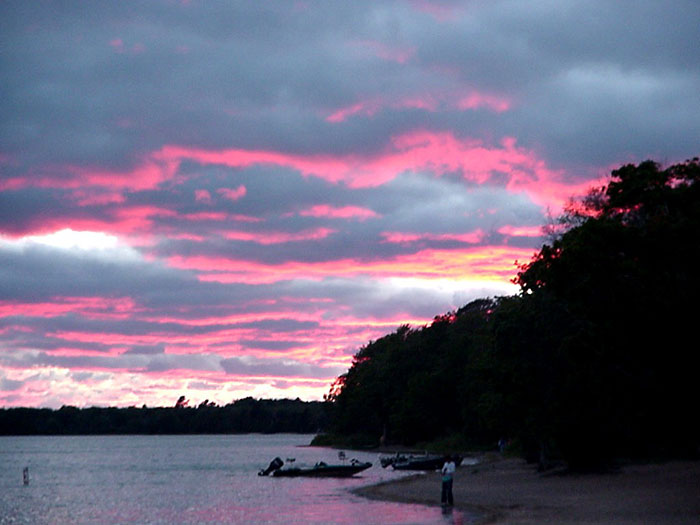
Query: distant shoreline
{"points": [[244, 416], [511, 491]]}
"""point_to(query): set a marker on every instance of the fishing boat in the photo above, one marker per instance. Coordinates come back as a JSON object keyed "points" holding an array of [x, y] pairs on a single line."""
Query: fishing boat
{"points": [[418, 462], [319, 470]]}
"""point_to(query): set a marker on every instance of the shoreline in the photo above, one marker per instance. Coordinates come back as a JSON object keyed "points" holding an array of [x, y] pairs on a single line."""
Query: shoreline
{"points": [[509, 491], [405, 490]]}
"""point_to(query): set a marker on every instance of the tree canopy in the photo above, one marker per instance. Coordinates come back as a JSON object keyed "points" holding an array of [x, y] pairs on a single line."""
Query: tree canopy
{"points": [[592, 360], [243, 416]]}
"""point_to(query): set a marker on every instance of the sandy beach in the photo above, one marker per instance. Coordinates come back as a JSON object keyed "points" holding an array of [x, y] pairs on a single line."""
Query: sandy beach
{"points": [[509, 491]]}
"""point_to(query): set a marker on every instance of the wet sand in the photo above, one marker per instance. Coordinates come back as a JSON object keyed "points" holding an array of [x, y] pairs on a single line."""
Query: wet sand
{"points": [[509, 491]]}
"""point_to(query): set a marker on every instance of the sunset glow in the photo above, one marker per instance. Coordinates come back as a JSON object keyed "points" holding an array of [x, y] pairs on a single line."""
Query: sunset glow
{"points": [[192, 204]]}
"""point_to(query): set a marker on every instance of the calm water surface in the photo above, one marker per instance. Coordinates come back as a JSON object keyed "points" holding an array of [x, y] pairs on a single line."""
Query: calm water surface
{"points": [[187, 480]]}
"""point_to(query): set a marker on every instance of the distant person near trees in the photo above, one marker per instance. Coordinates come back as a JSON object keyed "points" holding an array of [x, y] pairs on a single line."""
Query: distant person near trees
{"points": [[448, 471]]}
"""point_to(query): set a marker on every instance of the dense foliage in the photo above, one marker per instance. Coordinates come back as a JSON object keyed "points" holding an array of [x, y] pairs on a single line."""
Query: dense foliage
{"points": [[243, 416], [592, 360]]}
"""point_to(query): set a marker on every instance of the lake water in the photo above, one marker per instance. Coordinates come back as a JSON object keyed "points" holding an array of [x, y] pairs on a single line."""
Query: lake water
{"points": [[188, 480]]}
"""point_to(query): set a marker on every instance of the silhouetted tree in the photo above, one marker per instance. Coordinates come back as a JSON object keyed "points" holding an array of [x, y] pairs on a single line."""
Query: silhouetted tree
{"points": [[244, 416], [589, 362]]}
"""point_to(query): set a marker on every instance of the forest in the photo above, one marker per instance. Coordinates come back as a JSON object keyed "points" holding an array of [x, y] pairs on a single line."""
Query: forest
{"points": [[243, 416], [591, 362]]}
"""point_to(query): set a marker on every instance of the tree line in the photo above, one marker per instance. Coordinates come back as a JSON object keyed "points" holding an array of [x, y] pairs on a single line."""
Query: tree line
{"points": [[591, 361], [243, 416]]}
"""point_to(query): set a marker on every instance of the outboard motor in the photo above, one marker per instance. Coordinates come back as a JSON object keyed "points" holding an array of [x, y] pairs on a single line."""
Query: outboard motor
{"points": [[275, 464]]}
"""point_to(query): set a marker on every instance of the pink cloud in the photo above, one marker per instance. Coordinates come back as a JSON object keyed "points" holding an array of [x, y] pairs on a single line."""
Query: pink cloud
{"points": [[434, 101], [256, 311], [15, 183], [474, 237], [345, 212], [90, 307], [116, 339], [217, 216], [147, 175], [188, 237], [521, 231], [121, 220], [267, 238], [326, 166], [52, 386], [202, 196], [474, 263], [206, 216], [425, 102], [475, 100], [518, 169], [76, 381], [367, 108], [117, 44], [416, 151], [243, 218], [232, 194], [97, 197], [134, 219]]}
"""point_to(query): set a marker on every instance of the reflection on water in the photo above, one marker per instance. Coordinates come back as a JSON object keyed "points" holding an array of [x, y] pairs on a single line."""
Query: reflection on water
{"points": [[187, 480]]}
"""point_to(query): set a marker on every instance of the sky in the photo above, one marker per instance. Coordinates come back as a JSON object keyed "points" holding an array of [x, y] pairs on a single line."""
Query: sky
{"points": [[229, 199]]}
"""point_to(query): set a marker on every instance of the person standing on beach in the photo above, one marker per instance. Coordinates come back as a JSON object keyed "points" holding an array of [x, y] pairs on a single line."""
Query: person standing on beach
{"points": [[448, 472]]}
